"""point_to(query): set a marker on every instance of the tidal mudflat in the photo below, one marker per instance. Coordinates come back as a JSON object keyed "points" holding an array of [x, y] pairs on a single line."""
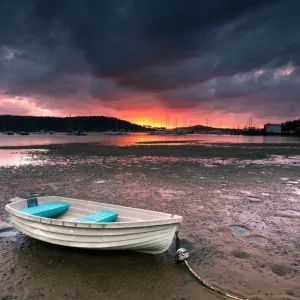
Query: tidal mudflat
{"points": [[240, 204]]}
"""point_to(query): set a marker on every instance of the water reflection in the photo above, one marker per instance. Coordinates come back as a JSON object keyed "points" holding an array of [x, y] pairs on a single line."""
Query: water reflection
{"points": [[20, 157], [137, 138]]}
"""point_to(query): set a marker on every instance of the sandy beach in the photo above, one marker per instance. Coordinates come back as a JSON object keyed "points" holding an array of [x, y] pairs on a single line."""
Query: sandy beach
{"points": [[240, 205]]}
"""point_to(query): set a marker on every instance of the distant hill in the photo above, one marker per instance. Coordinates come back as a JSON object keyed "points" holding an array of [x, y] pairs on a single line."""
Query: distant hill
{"points": [[210, 129], [34, 124]]}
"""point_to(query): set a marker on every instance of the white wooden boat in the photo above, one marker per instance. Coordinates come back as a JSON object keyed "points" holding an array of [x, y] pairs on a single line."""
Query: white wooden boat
{"points": [[134, 229]]}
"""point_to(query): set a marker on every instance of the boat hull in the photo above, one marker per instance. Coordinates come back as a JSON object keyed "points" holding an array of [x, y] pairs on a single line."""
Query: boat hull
{"points": [[152, 239], [135, 229]]}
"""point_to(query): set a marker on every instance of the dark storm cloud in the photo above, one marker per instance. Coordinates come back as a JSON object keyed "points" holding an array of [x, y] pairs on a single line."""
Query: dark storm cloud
{"points": [[131, 38], [185, 52]]}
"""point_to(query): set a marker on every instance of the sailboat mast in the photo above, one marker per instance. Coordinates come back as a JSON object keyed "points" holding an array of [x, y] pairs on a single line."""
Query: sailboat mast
{"points": [[166, 121]]}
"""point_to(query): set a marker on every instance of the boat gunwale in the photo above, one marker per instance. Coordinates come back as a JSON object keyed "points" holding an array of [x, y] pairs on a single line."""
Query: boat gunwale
{"points": [[173, 219]]}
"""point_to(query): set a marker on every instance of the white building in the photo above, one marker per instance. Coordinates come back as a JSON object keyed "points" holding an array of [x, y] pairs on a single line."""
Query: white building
{"points": [[273, 128]]}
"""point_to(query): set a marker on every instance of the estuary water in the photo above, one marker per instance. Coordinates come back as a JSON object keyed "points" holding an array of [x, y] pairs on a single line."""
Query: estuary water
{"points": [[133, 138]]}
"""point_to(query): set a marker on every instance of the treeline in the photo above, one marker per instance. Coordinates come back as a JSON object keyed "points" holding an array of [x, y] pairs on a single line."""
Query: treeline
{"points": [[291, 127], [35, 124]]}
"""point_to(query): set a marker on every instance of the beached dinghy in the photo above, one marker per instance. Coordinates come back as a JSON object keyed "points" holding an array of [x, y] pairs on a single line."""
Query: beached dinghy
{"points": [[93, 225]]}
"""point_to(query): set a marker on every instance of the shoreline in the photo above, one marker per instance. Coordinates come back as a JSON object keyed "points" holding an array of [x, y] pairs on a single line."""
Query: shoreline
{"points": [[209, 150], [240, 222]]}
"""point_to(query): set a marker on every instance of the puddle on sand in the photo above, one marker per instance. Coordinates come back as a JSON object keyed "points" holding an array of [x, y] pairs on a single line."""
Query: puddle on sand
{"points": [[209, 222], [239, 230], [257, 239], [20, 157], [7, 232]]}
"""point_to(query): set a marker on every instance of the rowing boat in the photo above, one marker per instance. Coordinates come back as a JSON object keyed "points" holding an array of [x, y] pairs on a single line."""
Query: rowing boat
{"points": [[133, 228]]}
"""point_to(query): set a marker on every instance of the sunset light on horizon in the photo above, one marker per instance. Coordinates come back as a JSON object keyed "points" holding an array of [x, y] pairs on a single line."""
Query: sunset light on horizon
{"points": [[150, 117]]}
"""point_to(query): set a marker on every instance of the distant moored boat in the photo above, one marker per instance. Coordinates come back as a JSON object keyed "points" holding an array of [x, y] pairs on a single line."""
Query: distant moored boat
{"points": [[80, 133]]}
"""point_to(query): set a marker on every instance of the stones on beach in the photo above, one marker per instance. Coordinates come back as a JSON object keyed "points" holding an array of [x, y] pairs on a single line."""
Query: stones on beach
{"points": [[289, 213], [284, 178], [101, 181], [265, 194], [246, 192], [293, 182], [254, 199]]}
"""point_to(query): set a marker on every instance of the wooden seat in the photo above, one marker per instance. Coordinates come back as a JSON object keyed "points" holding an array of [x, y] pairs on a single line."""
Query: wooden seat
{"points": [[46, 210], [102, 216]]}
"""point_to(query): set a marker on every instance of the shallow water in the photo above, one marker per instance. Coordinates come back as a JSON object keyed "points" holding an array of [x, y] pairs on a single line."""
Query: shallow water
{"points": [[239, 229], [39, 157], [136, 138], [20, 157], [240, 226]]}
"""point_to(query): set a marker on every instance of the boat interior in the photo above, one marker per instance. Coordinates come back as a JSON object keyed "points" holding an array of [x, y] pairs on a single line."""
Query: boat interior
{"points": [[74, 210]]}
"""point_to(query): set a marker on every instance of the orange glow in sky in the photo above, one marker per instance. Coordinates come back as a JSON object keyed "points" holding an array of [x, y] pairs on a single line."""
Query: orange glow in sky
{"points": [[155, 116], [214, 119]]}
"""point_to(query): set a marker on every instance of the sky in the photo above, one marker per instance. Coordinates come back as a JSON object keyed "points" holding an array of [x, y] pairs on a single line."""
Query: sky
{"points": [[216, 62]]}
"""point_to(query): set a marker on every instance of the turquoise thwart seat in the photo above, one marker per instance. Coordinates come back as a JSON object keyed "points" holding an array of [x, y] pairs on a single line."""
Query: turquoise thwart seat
{"points": [[102, 216], [46, 210]]}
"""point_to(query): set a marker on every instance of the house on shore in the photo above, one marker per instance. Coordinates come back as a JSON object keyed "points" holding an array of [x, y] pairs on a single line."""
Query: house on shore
{"points": [[272, 128]]}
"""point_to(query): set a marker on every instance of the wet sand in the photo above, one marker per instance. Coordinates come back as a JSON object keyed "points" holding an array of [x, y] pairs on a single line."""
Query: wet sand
{"points": [[241, 210]]}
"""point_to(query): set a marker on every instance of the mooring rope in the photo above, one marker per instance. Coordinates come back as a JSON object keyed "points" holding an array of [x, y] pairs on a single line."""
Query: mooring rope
{"points": [[182, 255]]}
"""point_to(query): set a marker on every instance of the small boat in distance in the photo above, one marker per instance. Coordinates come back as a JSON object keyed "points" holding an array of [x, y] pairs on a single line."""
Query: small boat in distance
{"points": [[159, 131], [179, 132], [75, 226], [80, 133], [24, 133], [119, 132]]}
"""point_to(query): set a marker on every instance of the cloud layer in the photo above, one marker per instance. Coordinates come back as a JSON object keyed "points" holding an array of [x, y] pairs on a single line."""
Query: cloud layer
{"points": [[218, 55]]}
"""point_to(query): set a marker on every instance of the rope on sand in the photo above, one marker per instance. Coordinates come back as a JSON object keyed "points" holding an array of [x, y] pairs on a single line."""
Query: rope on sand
{"points": [[182, 255]]}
